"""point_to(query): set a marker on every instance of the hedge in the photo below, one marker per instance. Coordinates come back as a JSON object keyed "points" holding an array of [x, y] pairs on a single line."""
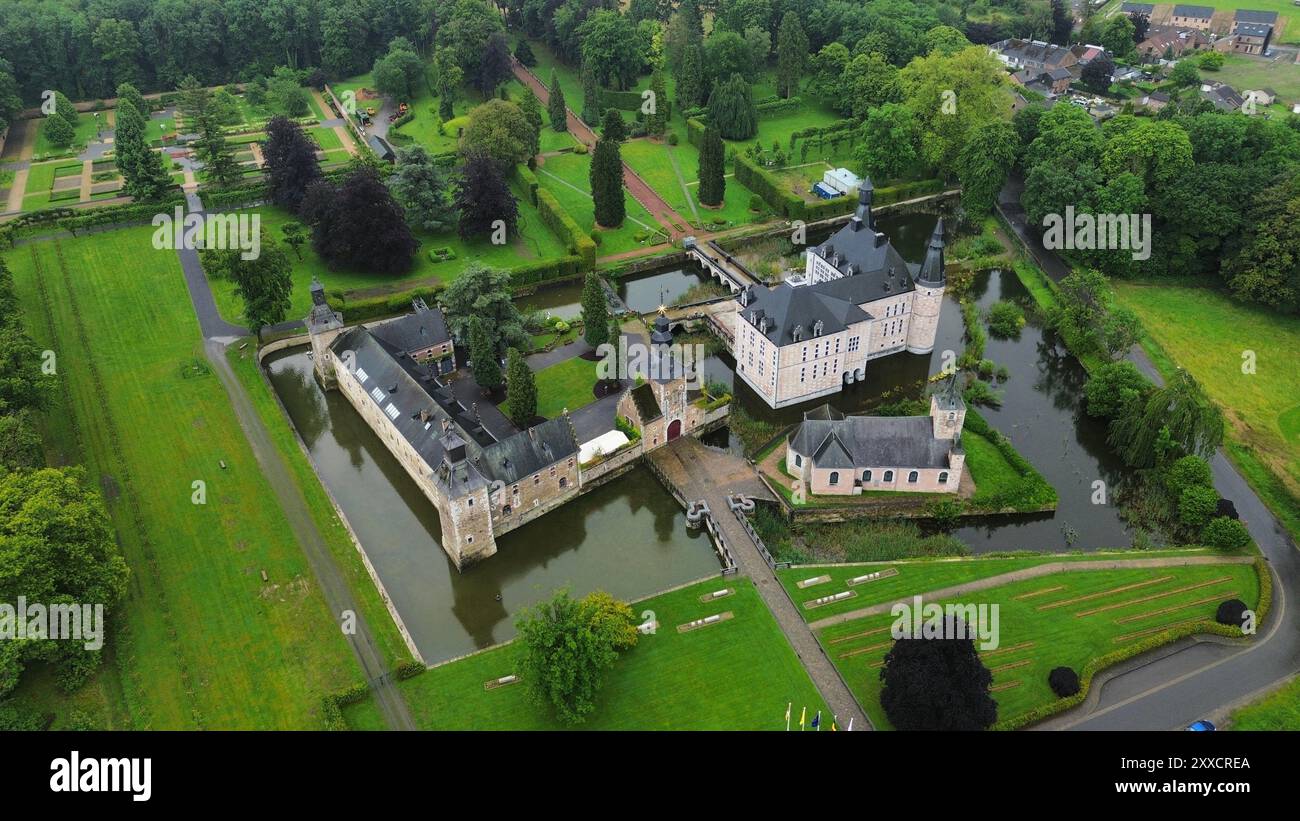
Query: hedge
{"points": [[528, 179], [332, 705], [766, 185], [1101, 662], [546, 271], [629, 101], [777, 104], [787, 204], [362, 309], [559, 221], [695, 132]]}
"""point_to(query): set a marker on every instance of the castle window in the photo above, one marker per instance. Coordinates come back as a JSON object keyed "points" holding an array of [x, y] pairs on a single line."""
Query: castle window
{"points": [[506, 509], [798, 460], [912, 477], [943, 477], [362, 376], [537, 478], [835, 477], [471, 502], [469, 540], [866, 476], [564, 481], [889, 476], [802, 373]]}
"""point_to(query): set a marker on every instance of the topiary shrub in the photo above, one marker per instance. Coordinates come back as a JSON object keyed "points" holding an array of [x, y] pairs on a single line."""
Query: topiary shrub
{"points": [[1232, 613], [1196, 506], [1225, 534], [671, 138], [1063, 681]]}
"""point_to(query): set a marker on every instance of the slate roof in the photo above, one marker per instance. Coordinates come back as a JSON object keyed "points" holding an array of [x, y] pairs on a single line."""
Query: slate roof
{"points": [[1032, 51], [871, 441], [1197, 12], [1224, 97], [429, 418], [416, 331], [1137, 8], [1268, 18], [647, 406], [1260, 30]]}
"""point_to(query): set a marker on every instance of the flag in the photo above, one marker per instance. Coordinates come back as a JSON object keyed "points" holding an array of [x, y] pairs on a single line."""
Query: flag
{"points": [[850, 727], [832, 726], [803, 716], [817, 720], [787, 715]]}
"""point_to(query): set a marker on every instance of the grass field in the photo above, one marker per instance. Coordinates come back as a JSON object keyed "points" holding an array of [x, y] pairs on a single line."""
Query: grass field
{"points": [[535, 241], [565, 176], [1065, 618], [85, 132], [673, 171], [1277, 711], [568, 384], [1204, 331], [1249, 73], [201, 640], [739, 674]]}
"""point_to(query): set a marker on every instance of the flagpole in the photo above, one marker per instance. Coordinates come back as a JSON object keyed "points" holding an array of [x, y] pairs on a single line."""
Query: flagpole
{"points": [[850, 725], [787, 715]]}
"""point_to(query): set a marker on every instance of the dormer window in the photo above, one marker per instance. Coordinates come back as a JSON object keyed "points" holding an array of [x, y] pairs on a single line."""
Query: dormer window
{"points": [[817, 328]]}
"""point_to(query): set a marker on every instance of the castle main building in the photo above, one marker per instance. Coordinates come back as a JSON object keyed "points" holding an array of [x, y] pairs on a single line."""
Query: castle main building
{"points": [[858, 300]]}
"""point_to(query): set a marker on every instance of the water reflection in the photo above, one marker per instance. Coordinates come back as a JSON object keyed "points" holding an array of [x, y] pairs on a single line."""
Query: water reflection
{"points": [[628, 537]]}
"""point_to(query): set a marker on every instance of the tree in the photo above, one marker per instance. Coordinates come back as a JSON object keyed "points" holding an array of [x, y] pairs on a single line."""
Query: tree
{"points": [[446, 83], [295, 236], [595, 311], [20, 442], [1225, 534], [791, 54], [612, 126], [606, 179], [555, 105], [590, 97], [118, 46], [363, 227], [889, 146], [264, 282], [828, 69], [285, 93], [1189, 471], [1080, 311], [685, 32], [1097, 75], [656, 120], [731, 109], [1117, 35], [869, 81], [494, 66], [483, 355], [692, 80], [1121, 332], [23, 383], [465, 32], [423, 190], [937, 683], [56, 546], [521, 389], [567, 647], [983, 164], [712, 169], [951, 96], [1113, 387], [1267, 268], [197, 103], [1184, 74], [483, 198], [1179, 410], [64, 108], [611, 48], [290, 160], [524, 53], [1196, 506], [500, 130], [532, 111], [398, 73], [485, 293], [57, 131], [1142, 24], [1062, 22]]}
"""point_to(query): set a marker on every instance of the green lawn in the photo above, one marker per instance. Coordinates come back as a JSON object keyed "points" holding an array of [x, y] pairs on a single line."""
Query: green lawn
{"points": [[1201, 329], [326, 138], [535, 242], [673, 171], [1065, 618], [1248, 73], [201, 641], [85, 132], [739, 674], [568, 384], [1278, 711], [565, 176]]}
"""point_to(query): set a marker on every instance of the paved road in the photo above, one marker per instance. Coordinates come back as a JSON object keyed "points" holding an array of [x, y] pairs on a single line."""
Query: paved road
{"points": [[1194, 678], [338, 596], [700, 472]]}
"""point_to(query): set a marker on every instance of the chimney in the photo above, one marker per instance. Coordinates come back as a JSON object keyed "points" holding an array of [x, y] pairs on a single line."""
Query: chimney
{"points": [[863, 211]]}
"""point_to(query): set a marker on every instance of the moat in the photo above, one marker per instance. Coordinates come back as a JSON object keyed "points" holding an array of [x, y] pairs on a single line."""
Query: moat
{"points": [[629, 537]]}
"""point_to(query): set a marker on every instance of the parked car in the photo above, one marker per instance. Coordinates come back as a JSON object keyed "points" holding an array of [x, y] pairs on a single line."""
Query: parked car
{"points": [[1201, 726]]}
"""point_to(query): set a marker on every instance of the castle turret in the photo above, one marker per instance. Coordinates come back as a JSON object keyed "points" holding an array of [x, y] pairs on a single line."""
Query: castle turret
{"points": [[928, 297], [948, 411], [323, 325], [862, 214]]}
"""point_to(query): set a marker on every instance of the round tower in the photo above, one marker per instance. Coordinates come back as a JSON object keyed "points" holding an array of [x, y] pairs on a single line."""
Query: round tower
{"points": [[323, 324], [927, 299]]}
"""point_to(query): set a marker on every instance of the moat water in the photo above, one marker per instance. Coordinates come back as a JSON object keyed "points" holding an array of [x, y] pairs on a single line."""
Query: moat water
{"points": [[629, 537]]}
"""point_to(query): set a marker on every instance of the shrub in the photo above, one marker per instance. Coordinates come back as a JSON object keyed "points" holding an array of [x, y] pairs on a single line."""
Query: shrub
{"points": [[671, 138], [1225, 534], [1063, 681], [1005, 320], [755, 203], [1231, 612], [1196, 506], [580, 148], [1189, 471]]}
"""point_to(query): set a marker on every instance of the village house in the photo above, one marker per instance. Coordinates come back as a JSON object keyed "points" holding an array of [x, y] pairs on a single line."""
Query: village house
{"points": [[858, 300], [1252, 31], [1166, 43], [1224, 97], [1197, 17], [1036, 55], [1051, 83], [834, 454], [1137, 8]]}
